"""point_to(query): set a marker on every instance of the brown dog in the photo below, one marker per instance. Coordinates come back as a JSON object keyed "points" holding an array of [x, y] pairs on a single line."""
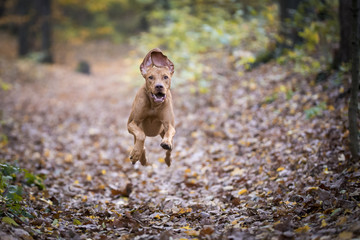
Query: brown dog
{"points": [[152, 111]]}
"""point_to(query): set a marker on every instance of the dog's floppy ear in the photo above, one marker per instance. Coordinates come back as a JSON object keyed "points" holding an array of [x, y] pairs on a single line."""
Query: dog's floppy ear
{"points": [[156, 58]]}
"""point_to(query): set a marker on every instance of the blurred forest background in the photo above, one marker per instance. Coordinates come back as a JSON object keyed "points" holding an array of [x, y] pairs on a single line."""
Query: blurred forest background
{"points": [[304, 32], [267, 142]]}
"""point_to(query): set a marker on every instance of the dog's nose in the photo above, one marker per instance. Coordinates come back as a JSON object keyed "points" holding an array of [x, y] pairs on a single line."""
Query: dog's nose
{"points": [[159, 86]]}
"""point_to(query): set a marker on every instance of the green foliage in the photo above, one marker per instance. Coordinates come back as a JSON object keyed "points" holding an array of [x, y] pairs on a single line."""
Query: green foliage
{"points": [[271, 98], [12, 193], [319, 30], [80, 20], [32, 179], [4, 86], [315, 111], [9, 220], [186, 36]]}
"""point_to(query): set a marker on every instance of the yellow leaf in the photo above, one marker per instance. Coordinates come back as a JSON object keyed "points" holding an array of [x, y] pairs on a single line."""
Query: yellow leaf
{"points": [[323, 223], [331, 108], [68, 158], [88, 178], [103, 172], [303, 229], [280, 169], [181, 211], [76, 182], [282, 88], [188, 170], [32, 198], [242, 191], [186, 227], [157, 216], [76, 222], [47, 201], [345, 235], [311, 188], [161, 160], [234, 222]]}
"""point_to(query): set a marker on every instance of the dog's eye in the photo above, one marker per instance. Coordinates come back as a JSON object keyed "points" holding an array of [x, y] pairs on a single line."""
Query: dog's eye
{"points": [[151, 77], [166, 77]]}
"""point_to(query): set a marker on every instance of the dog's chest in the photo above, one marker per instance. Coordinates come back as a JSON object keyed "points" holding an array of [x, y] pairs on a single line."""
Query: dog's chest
{"points": [[152, 126]]}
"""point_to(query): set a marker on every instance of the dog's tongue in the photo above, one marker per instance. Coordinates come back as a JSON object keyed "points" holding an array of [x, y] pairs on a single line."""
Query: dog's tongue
{"points": [[158, 98]]}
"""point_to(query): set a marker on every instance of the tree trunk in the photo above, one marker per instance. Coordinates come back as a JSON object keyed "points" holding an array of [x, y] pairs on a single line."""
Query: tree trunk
{"points": [[46, 30], [2, 8], [23, 8], [343, 53], [353, 105]]}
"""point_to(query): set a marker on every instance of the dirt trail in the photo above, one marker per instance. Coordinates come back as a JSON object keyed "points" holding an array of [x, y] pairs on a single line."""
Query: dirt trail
{"points": [[247, 163], [72, 127]]}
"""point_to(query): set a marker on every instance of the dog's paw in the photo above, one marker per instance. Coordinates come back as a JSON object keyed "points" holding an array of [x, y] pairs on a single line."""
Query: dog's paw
{"points": [[135, 155], [166, 145]]}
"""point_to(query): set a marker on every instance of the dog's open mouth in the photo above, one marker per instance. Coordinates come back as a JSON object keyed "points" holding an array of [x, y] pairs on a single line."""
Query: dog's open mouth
{"points": [[158, 97]]}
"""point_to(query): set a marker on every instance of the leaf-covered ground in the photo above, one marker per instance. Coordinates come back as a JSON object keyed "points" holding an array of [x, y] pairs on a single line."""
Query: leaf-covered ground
{"points": [[261, 155]]}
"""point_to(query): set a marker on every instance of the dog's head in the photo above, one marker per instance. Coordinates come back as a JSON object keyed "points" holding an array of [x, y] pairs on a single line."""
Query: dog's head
{"points": [[157, 70]]}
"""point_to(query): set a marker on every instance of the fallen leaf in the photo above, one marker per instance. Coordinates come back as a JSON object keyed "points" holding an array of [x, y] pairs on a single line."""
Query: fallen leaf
{"points": [[237, 171], [303, 229], [206, 231], [88, 178], [323, 223], [187, 227], [192, 233], [9, 220], [345, 235], [76, 222], [341, 221], [280, 169], [242, 191], [68, 158]]}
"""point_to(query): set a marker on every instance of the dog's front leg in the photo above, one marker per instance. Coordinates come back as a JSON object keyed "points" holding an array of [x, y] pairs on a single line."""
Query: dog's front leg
{"points": [[139, 136], [167, 142], [169, 132]]}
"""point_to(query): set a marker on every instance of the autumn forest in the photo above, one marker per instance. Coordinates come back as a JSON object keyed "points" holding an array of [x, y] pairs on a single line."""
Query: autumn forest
{"points": [[265, 97]]}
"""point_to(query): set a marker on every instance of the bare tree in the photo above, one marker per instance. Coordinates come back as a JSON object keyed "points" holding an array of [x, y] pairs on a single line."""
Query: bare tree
{"points": [[353, 105], [36, 21]]}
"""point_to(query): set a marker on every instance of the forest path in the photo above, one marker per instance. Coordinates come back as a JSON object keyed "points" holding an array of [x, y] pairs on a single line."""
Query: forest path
{"points": [[247, 161]]}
